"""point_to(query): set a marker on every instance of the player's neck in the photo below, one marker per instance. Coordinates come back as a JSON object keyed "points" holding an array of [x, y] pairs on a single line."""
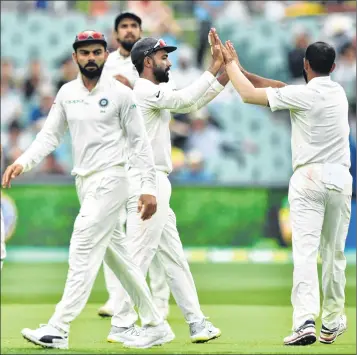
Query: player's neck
{"points": [[313, 75], [123, 52], [90, 83]]}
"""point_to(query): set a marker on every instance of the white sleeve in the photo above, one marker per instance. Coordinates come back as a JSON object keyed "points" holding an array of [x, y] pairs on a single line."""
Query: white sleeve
{"points": [[207, 97], [290, 97], [48, 139], [140, 152], [164, 97]]}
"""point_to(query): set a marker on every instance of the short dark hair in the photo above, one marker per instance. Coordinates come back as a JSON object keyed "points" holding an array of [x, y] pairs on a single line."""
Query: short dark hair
{"points": [[321, 57], [124, 15], [139, 65]]}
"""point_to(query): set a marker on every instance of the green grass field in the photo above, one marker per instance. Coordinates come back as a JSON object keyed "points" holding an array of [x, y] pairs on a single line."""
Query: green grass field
{"points": [[249, 302]]}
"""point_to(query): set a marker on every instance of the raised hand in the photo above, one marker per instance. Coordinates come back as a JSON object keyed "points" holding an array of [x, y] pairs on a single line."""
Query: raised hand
{"points": [[217, 57], [227, 55], [229, 46]]}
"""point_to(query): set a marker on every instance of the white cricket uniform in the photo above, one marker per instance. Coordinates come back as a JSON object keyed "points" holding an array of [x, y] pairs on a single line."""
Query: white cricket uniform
{"points": [[159, 236], [118, 64], [3, 249], [320, 192], [101, 123]]}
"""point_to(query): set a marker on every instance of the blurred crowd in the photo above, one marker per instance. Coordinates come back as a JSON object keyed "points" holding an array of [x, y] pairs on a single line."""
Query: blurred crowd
{"points": [[27, 93]]}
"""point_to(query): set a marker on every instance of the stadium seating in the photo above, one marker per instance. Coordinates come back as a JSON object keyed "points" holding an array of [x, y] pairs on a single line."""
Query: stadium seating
{"points": [[262, 47]]}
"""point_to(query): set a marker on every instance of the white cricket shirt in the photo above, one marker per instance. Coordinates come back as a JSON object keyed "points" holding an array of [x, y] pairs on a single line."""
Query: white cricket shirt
{"points": [[101, 123], [158, 101], [118, 64], [319, 117]]}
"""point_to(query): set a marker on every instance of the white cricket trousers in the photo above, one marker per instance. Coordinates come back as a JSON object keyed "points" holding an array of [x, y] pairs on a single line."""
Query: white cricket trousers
{"points": [[158, 236], [159, 288], [320, 208], [95, 236], [3, 249]]}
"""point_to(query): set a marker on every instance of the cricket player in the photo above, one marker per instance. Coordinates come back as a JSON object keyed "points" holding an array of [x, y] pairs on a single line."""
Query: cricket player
{"points": [[102, 118], [320, 188], [127, 27], [159, 236]]}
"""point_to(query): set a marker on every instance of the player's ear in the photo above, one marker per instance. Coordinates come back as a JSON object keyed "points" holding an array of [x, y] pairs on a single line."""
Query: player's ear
{"points": [[306, 65], [74, 56], [148, 62], [333, 67]]}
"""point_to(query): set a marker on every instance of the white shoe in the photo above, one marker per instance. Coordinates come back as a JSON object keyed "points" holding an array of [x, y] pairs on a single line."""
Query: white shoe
{"points": [[304, 335], [150, 336], [122, 335], [46, 336], [107, 310], [201, 332], [328, 336]]}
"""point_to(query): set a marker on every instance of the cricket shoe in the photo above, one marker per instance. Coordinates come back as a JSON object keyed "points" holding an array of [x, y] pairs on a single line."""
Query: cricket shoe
{"points": [[328, 336], [46, 336], [123, 334], [304, 335], [107, 310], [201, 332], [150, 336]]}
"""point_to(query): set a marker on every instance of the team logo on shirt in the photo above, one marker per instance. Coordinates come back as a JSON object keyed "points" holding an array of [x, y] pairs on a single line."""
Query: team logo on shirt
{"points": [[103, 102]]}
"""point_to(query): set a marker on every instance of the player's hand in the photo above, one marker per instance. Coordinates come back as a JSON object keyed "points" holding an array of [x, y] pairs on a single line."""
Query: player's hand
{"points": [[227, 55], [123, 80], [230, 48], [217, 56], [147, 206], [10, 173]]}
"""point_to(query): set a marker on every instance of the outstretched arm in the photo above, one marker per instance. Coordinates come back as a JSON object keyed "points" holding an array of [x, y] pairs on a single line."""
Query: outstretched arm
{"points": [[245, 88], [187, 99], [217, 87], [256, 80]]}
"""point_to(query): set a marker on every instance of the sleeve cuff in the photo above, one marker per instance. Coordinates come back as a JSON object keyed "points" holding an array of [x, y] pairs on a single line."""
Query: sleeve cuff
{"points": [[216, 86], [22, 161], [271, 98], [209, 77], [145, 190]]}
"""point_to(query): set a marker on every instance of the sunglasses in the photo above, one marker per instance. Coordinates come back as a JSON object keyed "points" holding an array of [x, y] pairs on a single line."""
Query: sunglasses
{"points": [[159, 44], [89, 34]]}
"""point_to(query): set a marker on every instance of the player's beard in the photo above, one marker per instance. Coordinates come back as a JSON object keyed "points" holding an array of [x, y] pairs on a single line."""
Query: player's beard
{"points": [[304, 74], [91, 74], [127, 45], [161, 75]]}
